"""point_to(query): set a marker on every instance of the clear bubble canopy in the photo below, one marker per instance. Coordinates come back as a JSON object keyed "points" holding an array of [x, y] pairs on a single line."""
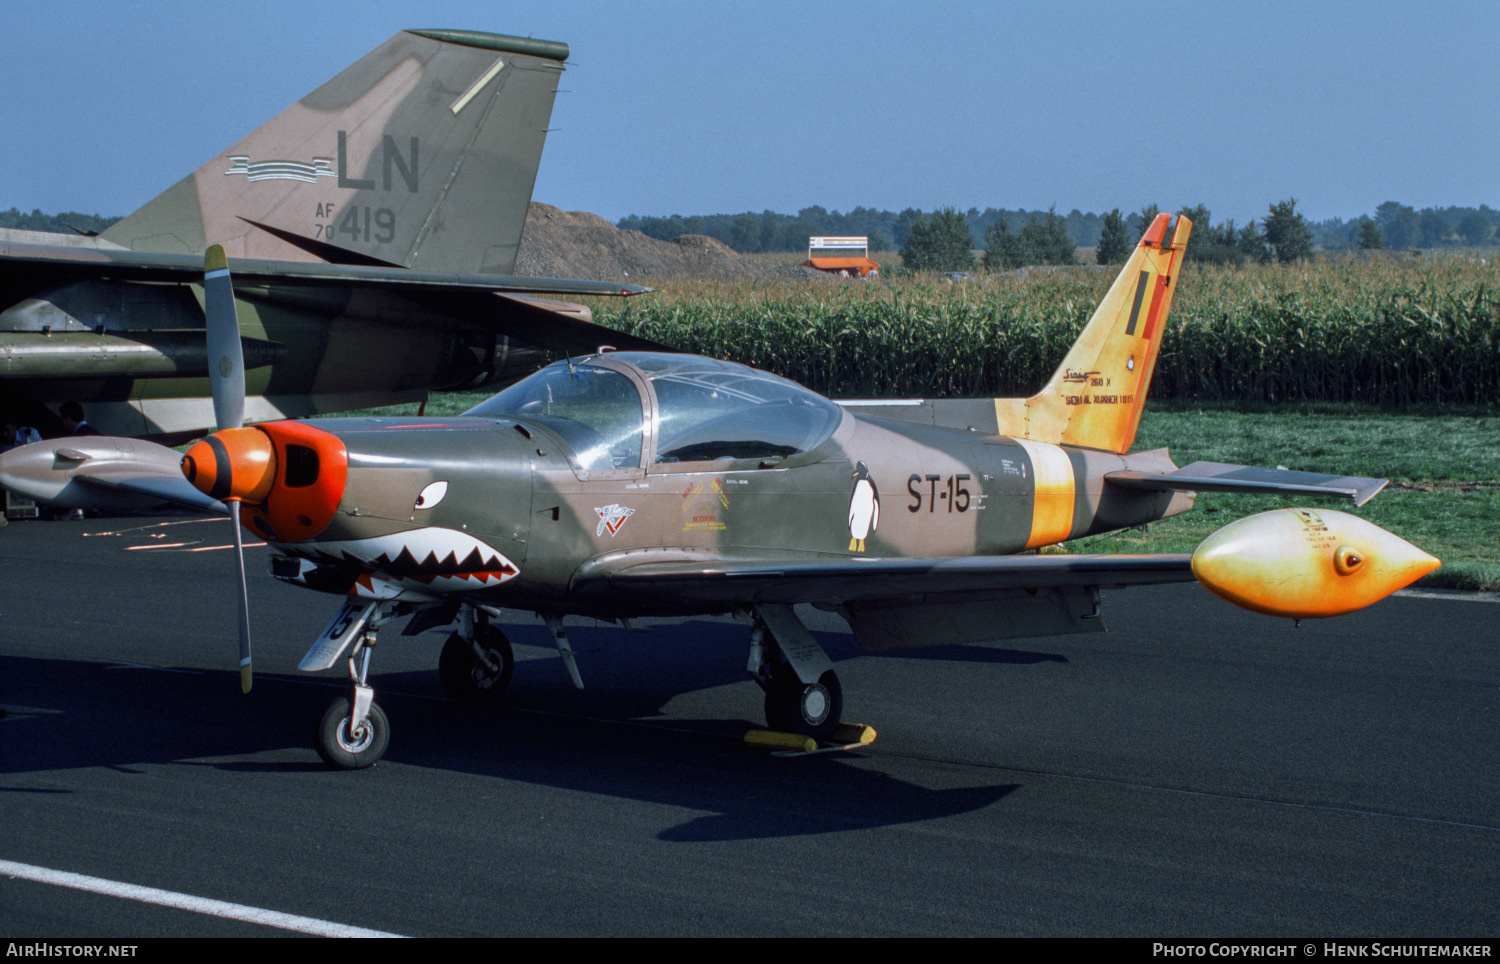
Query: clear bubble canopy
{"points": [[705, 410]]}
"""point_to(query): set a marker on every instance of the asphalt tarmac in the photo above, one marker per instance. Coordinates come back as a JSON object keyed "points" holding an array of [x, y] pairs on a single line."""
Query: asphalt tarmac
{"points": [[1196, 771]]}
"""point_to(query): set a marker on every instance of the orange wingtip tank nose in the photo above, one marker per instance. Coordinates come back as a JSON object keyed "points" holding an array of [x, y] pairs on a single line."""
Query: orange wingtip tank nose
{"points": [[1305, 563], [290, 476]]}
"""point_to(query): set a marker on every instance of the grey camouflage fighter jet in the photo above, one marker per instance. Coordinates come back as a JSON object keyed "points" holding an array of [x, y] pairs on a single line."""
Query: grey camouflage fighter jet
{"points": [[372, 226], [628, 484]]}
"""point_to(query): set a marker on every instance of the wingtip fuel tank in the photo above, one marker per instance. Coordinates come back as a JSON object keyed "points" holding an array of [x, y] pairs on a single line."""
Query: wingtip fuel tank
{"points": [[1306, 564]]}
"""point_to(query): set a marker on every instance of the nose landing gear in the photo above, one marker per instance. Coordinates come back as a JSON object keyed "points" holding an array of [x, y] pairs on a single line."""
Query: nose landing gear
{"points": [[354, 732], [475, 667]]}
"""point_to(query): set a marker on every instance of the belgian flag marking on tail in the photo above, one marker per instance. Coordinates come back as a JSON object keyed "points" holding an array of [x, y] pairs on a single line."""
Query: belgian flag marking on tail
{"points": [[1158, 289], [1158, 296], [1140, 296]]}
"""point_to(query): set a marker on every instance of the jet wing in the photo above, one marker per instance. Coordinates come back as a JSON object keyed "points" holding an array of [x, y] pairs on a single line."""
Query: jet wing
{"points": [[529, 319], [854, 581], [1222, 477], [473, 297], [55, 263]]}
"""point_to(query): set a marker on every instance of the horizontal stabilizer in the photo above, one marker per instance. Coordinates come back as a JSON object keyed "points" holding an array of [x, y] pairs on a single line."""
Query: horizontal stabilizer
{"points": [[1222, 477]]}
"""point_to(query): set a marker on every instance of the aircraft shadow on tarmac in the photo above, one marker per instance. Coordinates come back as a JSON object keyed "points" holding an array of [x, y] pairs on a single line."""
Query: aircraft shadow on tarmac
{"points": [[977, 654], [63, 715]]}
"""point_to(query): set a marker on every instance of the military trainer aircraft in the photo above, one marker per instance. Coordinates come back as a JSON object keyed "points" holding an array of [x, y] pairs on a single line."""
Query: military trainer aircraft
{"points": [[373, 228], [628, 484]]}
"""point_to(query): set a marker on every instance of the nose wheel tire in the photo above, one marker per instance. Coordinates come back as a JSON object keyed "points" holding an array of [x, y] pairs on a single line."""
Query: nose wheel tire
{"points": [[346, 748], [467, 680], [796, 707]]}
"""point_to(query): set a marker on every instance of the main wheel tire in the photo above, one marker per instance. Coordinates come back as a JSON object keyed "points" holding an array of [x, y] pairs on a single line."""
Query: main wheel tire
{"points": [[793, 706], [346, 749], [465, 679]]}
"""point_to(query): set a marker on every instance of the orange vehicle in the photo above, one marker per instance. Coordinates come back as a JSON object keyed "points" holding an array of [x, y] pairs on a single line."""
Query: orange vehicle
{"points": [[844, 256]]}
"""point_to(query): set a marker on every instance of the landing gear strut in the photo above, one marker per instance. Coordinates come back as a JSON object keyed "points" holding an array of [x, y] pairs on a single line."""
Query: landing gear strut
{"points": [[477, 668], [803, 694], [354, 732]]}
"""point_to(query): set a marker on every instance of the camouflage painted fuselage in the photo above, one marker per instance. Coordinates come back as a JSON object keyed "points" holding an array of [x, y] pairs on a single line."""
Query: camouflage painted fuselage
{"points": [[520, 523]]}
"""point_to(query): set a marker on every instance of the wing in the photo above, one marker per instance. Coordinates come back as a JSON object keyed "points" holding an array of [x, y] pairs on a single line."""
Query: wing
{"points": [[503, 303], [902, 603], [60, 263], [857, 580]]}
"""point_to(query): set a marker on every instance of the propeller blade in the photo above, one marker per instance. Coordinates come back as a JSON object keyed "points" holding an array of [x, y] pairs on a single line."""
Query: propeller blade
{"points": [[226, 355], [239, 558]]}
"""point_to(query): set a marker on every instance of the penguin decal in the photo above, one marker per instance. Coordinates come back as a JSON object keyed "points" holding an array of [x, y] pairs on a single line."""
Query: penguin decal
{"points": [[864, 508]]}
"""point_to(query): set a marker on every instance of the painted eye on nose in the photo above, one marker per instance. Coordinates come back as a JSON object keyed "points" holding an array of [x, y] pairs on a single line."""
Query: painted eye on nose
{"points": [[431, 495], [1347, 560]]}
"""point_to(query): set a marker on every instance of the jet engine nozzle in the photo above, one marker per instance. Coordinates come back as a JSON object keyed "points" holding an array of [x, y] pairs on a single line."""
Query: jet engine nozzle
{"points": [[1306, 564], [290, 476]]}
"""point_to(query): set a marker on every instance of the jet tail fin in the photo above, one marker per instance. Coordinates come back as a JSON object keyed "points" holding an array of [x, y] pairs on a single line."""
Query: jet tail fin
{"points": [[1094, 399], [423, 154]]}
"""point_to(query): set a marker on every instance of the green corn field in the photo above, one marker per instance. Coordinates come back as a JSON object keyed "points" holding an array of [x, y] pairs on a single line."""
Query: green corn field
{"points": [[1383, 332]]}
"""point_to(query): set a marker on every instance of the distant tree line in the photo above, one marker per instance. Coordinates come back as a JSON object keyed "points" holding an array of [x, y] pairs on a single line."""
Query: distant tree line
{"points": [[1399, 226], [942, 242], [1403, 227], [57, 223], [751, 233], [1032, 237]]}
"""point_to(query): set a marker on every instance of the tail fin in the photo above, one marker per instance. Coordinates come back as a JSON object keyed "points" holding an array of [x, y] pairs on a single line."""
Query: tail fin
{"points": [[1094, 400], [422, 154]]}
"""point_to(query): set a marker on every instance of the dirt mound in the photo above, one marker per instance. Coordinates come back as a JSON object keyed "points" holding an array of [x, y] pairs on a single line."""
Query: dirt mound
{"points": [[577, 244]]}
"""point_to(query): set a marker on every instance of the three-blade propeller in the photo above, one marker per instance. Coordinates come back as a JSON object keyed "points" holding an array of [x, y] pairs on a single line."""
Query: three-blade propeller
{"points": [[226, 376]]}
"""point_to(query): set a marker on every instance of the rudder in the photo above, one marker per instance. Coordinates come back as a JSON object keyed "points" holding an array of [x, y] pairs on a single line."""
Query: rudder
{"points": [[1094, 399], [423, 154]]}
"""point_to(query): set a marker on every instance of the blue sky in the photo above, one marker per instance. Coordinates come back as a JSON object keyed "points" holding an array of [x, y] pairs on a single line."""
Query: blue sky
{"points": [[723, 107]]}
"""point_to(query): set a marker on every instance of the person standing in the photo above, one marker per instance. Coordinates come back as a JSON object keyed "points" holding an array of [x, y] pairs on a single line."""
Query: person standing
{"points": [[71, 414]]}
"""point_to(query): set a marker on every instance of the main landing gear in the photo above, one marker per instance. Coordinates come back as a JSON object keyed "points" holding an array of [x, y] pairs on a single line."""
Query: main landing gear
{"points": [[803, 694], [476, 665], [811, 709]]}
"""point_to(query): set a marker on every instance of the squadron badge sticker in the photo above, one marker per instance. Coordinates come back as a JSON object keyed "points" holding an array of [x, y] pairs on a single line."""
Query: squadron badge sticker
{"points": [[612, 517], [703, 505]]}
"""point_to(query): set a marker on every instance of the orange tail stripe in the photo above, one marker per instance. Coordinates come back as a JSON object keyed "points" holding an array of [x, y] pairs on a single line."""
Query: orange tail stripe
{"points": [[1155, 312]]}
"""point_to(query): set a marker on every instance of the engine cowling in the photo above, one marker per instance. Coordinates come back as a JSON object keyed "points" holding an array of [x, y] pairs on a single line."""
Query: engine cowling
{"points": [[290, 476]]}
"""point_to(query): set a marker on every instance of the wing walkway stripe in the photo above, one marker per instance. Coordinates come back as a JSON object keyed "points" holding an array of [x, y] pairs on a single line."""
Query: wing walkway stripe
{"points": [[198, 905]]}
